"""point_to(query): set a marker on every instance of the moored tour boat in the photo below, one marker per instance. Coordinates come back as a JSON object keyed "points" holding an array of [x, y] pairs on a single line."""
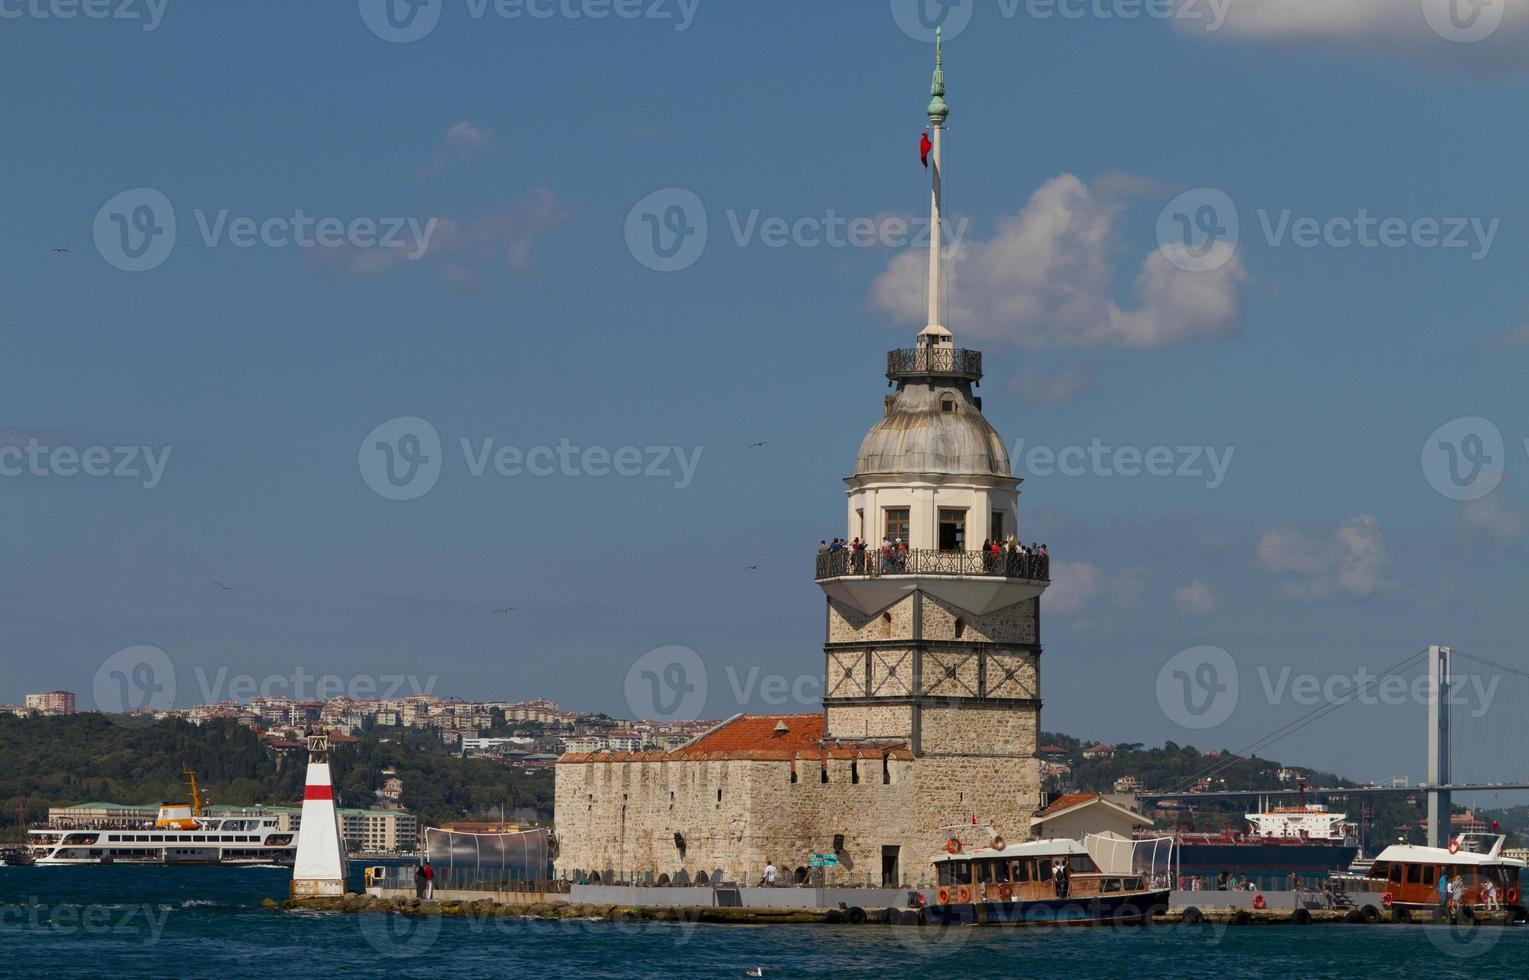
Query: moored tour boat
{"points": [[1018, 884], [1407, 878]]}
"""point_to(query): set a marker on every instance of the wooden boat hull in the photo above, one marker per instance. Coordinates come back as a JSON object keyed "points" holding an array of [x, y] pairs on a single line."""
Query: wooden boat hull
{"points": [[1135, 907]]}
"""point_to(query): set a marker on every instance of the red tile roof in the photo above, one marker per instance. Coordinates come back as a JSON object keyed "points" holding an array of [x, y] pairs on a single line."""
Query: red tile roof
{"points": [[759, 737], [1067, 801], [754, 732]]}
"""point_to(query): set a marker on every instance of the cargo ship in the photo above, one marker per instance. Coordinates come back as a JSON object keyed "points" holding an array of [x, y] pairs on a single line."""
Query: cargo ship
{"points": [[181, 833], [1308, 840]]}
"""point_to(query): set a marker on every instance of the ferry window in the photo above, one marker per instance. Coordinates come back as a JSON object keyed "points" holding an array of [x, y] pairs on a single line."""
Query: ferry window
{"points": [[985, 872], [1428, 875], [895, 523], [1083, 864], [1380, 870], [1396, 873], [1043, 869], [1021, 871], [947, 872], [1414, 874], [1001, 871]]}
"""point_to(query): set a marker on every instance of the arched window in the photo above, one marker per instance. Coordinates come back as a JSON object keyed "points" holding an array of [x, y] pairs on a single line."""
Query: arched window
{"points": [[948, 404], [960, 627], [854, 772]]}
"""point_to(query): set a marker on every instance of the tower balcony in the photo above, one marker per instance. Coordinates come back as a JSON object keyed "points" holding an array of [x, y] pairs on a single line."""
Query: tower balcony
{"points": [[933, 361], [978, 581]]}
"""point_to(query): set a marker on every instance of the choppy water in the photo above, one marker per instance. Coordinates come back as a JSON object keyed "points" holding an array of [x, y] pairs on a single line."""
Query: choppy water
{"points": [[207, 922]]}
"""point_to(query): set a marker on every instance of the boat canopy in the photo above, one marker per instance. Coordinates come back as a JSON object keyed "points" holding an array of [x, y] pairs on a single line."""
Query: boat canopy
{"points": [[1475, 849]]}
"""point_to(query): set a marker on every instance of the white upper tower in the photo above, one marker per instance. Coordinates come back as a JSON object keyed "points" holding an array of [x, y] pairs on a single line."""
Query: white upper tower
{"points": [[933, 474]]}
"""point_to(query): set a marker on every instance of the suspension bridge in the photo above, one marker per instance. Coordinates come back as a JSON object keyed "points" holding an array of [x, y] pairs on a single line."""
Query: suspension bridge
{"points": [[1483, 739]]}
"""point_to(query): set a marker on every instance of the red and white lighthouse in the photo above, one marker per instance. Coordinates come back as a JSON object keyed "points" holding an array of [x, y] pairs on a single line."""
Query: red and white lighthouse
{"points": [[321, 866]]}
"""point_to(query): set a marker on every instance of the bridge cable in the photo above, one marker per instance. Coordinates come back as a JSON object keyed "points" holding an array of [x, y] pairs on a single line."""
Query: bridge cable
{"points": [[1314, 715]]}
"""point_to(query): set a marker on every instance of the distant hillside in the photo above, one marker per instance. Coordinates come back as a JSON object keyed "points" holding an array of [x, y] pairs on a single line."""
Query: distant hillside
{"points": [[1169, 768], [84, 758], [1174, 767]]}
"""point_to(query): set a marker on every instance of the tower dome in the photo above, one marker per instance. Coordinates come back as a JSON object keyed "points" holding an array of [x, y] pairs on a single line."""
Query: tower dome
{"points": [[933, 425]]}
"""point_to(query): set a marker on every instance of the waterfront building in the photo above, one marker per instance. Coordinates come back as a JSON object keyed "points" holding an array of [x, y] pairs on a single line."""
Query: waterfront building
{"points": [[931, 713]]}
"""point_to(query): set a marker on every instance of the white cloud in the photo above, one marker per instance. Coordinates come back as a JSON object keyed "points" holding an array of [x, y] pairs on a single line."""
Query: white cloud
{"points": [[1046, 278], [1489, 516], [1483, 33], [1349, 559], [1074, 585], [1196, 597], [505, 236], [462, 140], [1038, 384], [1515, 339]]}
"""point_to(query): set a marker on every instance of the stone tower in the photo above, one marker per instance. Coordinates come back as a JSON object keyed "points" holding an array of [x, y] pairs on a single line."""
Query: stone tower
{"points": [[929, 639]]}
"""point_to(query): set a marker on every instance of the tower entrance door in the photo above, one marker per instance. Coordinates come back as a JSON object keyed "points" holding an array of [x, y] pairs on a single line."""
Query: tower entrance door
{"points": [[889, 871]]}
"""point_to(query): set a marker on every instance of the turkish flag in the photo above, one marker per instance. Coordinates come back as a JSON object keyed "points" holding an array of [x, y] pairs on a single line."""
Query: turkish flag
{"points": [[924, 147]]}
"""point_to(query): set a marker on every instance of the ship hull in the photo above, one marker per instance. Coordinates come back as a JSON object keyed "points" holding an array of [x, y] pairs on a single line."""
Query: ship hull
{"points": [[1262, 858]]}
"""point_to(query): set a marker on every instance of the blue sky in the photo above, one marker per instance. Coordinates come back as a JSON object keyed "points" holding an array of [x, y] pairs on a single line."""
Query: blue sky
{"points": [[525, 143]]}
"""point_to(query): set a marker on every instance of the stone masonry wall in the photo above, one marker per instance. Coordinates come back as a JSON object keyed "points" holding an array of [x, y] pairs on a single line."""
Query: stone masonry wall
{"points": [[763, 815]]}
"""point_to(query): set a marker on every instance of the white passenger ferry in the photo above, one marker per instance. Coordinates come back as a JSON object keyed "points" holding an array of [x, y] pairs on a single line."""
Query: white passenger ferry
{"points": [[182, 833]]}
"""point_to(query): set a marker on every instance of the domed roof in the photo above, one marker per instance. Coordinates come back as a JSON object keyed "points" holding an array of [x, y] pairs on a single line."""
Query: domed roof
{"points": [[919, 436]]}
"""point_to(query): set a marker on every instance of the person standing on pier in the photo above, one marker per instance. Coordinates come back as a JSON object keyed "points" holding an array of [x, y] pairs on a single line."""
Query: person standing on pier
{"points": [[419, 881], [429, 879]]}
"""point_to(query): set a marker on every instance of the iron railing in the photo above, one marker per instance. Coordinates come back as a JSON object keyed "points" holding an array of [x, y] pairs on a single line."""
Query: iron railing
{"points": [[872, 563], [948, 361]]}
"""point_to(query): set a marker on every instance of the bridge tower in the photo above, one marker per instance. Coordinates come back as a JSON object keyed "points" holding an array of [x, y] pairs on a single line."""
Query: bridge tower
{"points": [[1439, 688]]}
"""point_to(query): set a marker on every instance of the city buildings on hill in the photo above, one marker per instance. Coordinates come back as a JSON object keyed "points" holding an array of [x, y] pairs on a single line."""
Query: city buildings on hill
{"points": [[528, 734]]}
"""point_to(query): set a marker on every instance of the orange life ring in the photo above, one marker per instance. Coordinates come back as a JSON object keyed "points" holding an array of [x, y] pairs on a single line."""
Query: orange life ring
{"points": [[1006, 892], [1386, 900], [942, 896], [1454, 846], [964, 894], [1512, 895], [998, 842], [953, 846], [1258, 901]]}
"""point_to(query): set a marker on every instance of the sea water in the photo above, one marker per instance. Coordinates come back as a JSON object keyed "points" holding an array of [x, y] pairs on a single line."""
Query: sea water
{"points": [[117, 921]]}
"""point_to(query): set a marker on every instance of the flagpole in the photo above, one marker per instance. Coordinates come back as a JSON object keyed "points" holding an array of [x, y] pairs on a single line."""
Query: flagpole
{"points": [[938, 111]]}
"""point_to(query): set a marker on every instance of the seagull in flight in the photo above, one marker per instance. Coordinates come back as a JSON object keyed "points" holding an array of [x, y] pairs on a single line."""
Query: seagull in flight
{"points": [[504, 611], [60, 251], [223, 587], [758, 445], [751, 568]]}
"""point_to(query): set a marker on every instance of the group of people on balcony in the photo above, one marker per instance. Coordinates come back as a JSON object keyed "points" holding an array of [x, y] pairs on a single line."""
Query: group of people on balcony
{"points": [[997, 557]]}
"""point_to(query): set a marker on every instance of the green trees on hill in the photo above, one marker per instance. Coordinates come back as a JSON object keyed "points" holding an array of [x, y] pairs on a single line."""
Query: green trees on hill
{"points": [[84, 758]]}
